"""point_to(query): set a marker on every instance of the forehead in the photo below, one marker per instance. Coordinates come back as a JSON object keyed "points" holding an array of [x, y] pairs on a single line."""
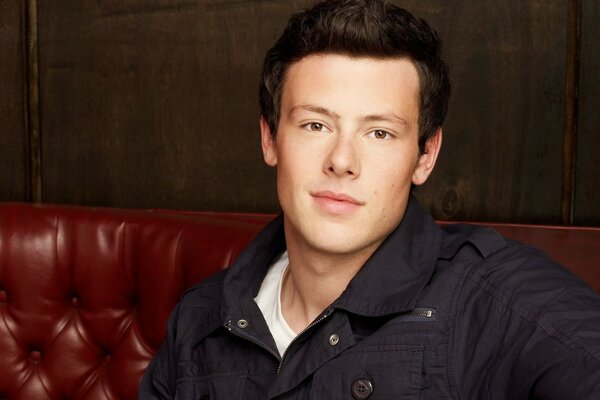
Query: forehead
{"points": [[371, 84]]}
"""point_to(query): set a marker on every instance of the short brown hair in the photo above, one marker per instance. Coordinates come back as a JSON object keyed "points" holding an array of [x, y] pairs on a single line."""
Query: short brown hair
{"points": [[360, 28]]}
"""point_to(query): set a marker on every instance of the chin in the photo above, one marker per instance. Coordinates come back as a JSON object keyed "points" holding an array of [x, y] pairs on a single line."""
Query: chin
{"points": [[340, 242]]}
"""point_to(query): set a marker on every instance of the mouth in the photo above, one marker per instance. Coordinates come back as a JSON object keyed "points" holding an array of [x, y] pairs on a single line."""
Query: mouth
{"points": [[342, 197], [336, 203]]}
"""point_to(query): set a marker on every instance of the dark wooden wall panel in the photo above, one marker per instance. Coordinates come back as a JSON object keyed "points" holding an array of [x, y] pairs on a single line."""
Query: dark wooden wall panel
{"points": [[13, 137], [587, 178], [154, 104], [502, 154]]}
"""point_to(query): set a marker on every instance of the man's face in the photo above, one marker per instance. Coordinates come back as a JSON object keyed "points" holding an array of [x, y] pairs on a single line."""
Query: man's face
{"points": [[346, 150]]}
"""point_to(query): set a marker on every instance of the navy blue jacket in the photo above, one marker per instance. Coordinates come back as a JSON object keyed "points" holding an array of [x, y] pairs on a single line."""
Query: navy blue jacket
{"points": [[458, 313]]}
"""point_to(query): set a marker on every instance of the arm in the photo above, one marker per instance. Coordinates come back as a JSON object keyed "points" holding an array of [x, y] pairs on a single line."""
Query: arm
{"points": [[526, 328], [567, 360], [160, 376]]}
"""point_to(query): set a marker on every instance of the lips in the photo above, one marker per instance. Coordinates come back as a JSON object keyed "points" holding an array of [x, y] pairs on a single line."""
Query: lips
{"points": [[326, 194], [336, 203]]}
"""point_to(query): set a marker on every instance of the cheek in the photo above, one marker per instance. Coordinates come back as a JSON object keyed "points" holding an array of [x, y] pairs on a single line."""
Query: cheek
{"points": [[390, 191], [292, 171], [389, 181]]}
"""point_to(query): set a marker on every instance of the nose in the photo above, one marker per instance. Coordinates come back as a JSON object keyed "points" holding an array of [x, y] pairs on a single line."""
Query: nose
{"points": [[342, 158]]}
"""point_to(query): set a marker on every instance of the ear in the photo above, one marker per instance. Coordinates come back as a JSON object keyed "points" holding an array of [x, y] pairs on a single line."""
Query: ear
{"points": [[268, 143], [427, 160]]}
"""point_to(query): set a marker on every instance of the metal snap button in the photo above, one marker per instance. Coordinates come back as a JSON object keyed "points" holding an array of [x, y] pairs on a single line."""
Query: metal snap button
{"points": [[242, 323], [334, 339], [362, 389]]}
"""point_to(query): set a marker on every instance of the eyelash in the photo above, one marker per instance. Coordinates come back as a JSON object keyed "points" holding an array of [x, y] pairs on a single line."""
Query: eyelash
{"points": [[387, 134], [309, 126]]}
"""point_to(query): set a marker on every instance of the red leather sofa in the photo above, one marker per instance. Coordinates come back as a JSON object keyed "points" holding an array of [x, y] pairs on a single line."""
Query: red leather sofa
{"points": [[85, 292]]}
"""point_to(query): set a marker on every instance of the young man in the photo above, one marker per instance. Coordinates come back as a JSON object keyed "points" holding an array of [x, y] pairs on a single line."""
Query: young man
{"points": [[354, 292]]}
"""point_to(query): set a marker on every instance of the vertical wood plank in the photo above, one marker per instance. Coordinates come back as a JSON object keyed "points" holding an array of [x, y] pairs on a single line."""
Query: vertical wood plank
{"points": [[13, 136], [587, 187], [32, 107], [571, 110]]}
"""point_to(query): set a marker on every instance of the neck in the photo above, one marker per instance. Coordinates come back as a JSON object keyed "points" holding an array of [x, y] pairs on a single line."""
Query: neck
{"points": [[314, 280]]}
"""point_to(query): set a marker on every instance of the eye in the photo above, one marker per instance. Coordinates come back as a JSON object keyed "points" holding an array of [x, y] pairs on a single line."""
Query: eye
{"points": [[315, 127], [379, 134]]}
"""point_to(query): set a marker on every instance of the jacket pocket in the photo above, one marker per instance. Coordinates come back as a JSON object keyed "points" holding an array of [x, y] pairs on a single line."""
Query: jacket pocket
{"points": [[376, 372], [228, 385]]}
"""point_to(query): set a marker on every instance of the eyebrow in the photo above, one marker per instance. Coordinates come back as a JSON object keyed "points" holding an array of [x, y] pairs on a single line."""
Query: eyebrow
{"points": [[385, 117], [315, 109]]}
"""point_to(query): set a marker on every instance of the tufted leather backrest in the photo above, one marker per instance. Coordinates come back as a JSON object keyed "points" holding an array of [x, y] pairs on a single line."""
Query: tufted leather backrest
{"points": [[85, 293]]}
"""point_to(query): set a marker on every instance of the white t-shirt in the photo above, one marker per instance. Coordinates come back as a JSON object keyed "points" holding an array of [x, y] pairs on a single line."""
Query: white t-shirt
{"points": [[269, 302]]}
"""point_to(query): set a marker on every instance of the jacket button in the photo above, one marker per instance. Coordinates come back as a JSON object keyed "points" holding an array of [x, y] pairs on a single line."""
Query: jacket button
{"points": [[242, 323], [362, 389], [334, 339]]}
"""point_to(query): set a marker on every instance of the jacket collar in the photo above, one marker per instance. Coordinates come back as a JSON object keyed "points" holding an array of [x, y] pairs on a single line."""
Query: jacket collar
{"points": [[245, 276], [389, 282], [392, 279]]}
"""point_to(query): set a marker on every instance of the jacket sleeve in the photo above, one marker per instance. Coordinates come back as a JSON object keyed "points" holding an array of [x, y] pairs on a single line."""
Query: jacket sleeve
{"points": [[159, 380], [526, 328], [566, 357], [573, 375]]}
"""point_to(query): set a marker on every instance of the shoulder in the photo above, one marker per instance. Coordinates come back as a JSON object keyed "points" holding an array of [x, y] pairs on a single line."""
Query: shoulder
{"points": [[521, 285], [525, 278], [206, 293], [504, 267], [199, 311]]}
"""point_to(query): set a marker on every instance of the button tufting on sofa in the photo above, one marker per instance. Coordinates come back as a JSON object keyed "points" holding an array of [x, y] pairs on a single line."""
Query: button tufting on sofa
{"points": [[91, 290], [35, 356]]}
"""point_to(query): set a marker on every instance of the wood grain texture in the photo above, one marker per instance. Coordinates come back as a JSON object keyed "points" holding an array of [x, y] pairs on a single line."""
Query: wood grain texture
{"points": [[155, 104], [13, 136], [587, 178], [502, 153]]}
